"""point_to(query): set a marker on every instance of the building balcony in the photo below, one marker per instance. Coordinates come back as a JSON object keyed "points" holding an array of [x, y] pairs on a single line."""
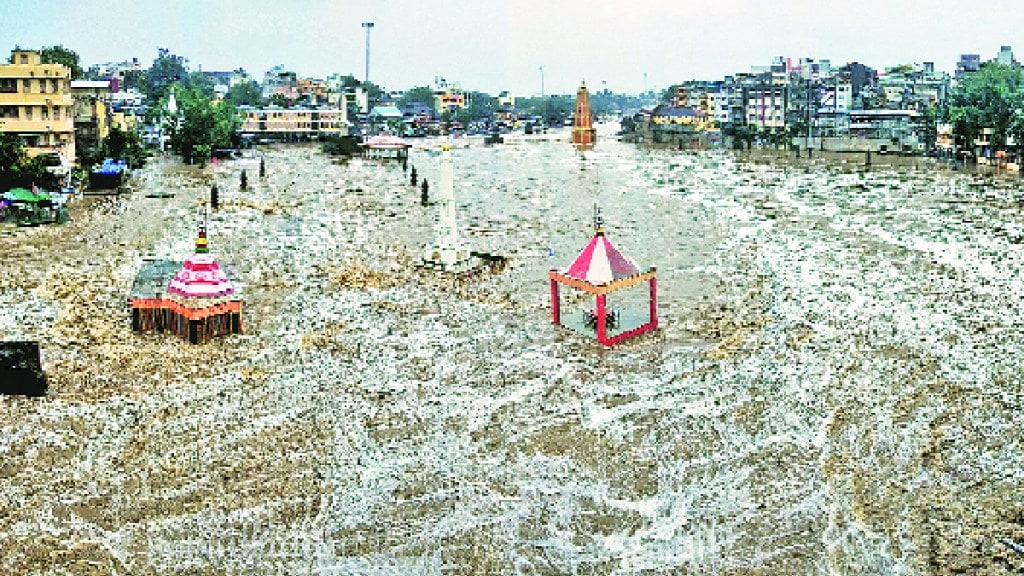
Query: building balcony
{"points": [[21, 126], [35, 99]]}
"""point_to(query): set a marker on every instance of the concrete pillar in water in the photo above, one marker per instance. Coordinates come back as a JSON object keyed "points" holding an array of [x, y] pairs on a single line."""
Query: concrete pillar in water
{"points": [[424, 195], [867, 158], [263, 168], [214, 197], [412, 176], [448, 249], [245, 181]]}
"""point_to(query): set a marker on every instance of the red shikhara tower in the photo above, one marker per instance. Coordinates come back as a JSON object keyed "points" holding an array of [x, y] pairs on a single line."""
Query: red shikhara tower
{"points": [[583, 133]]}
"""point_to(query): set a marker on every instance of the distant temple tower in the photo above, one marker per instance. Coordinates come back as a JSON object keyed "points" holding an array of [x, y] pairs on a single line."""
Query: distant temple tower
{"points": [[583, 133], [448, 249]]}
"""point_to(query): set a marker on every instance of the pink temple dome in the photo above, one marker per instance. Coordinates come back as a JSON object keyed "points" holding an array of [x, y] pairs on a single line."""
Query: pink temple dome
{"points": [[386, 141], [601, 262], [200, 277]]}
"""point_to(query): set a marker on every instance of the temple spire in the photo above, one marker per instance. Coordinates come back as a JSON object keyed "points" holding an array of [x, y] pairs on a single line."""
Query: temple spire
{"points": [[583, 133]]}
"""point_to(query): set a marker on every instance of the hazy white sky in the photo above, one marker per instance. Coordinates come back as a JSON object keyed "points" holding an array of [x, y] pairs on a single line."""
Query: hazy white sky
{"points": [[493, 45]]}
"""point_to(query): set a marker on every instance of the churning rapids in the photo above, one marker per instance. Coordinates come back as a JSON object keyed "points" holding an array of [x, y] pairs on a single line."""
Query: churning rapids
{"points": [[835, 387]]}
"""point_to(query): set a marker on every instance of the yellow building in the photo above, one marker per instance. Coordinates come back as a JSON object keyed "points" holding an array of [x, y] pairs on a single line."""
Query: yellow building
{"points": [[683, 116], [295, 122], [36, 104], [448, 96]]}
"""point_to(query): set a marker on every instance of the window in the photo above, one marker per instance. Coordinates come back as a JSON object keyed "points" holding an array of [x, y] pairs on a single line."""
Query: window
{"points": [[46, 113], [24, 58], [8, 85], [56, 113], [42, 86], [53, 85], [28, 112], [26, 85]]}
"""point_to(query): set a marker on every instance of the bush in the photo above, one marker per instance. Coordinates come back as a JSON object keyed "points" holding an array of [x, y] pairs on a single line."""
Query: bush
{"points": [[341, 145]]}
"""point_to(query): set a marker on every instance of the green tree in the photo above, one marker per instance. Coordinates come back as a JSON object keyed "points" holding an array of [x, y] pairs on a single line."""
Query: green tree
{"points": [[669, 94], [17, 169], [992, 97], [245, 94], [350, 81], [480, 106], [419, 95], [200, 82], [279, 100], [373, 91], [60, 55], [204, 125], [167, 69], [124, 144]]}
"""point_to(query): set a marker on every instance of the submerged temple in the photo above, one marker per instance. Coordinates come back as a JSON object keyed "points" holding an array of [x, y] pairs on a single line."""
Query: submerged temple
{"points": [[602, 270], [195, 300], [584, 135]]}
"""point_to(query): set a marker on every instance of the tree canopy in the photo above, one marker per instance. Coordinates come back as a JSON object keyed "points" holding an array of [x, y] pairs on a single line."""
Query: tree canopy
{"points": [[17, 169], [167, 69], [201, 125], [60, 55], [419, 94], [245, 93], [992, 97]]}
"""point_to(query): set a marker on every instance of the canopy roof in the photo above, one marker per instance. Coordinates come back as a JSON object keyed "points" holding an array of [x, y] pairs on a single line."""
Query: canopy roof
{"points": [[388, 141], [386, 112], [601, 263], [24, 195]]}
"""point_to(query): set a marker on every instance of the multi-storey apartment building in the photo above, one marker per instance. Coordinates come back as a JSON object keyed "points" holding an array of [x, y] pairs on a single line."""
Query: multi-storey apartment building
{"points": [[765, 106], [92, 111], [36, 104], [294, 123]]}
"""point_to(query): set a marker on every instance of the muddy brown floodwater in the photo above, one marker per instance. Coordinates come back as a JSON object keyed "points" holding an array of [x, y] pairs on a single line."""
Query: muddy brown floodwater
{"points": [[835, 389]]}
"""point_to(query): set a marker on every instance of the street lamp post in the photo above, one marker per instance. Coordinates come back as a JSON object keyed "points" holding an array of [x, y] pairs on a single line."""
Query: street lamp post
{"points": [[368, 26]]}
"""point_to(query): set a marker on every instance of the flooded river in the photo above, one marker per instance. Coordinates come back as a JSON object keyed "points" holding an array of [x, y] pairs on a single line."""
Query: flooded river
{"points": [[835, 387]]}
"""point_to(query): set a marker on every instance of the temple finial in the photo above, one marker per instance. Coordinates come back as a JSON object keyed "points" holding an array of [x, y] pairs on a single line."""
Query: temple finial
{"points": [[598, 221], [201, 246]]}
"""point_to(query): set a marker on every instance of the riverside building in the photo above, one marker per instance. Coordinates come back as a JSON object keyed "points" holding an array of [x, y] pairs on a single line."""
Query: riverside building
{"points": [[36, 104]]}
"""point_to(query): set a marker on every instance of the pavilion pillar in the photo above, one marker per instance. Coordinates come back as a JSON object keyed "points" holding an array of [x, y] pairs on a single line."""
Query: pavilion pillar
{"points": [[601, 320], [556, 313], [654, 301]]}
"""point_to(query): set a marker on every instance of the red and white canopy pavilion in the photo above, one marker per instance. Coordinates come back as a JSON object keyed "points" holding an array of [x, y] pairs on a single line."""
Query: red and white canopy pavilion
{"points": [[386, 146], [584, 135], [601, 270], [198, 303]]}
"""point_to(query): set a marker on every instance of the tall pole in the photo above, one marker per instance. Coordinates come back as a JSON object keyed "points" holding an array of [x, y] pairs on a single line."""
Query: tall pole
{"points": [[541, 81], [368, 26], [808, 115]]}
